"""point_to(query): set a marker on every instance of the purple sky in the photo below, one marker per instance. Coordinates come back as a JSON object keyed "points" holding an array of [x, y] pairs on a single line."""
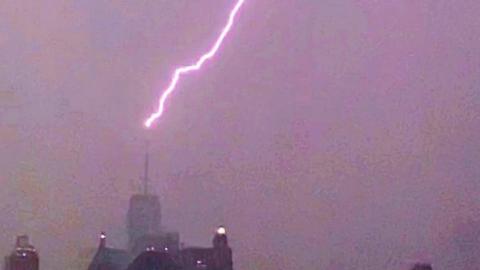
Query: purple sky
{"points": [[326, 133]]}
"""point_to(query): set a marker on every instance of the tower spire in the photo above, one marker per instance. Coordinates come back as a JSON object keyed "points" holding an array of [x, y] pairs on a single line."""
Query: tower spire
{"points": [[145, 174]]}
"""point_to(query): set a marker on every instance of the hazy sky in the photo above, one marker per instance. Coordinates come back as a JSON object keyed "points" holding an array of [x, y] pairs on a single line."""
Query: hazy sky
{"points": [[326, 133]]}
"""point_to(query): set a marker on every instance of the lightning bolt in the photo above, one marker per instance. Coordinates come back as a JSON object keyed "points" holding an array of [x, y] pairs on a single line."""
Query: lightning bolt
{"points": [[183, 70]]}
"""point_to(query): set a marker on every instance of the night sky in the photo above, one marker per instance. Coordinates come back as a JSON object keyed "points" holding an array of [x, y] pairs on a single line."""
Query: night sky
{"points": [[326, 133]]}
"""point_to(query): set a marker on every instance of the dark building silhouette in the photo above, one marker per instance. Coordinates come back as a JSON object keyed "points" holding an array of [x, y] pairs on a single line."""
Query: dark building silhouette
{"points": [[422, 266], [109, 258], [167, 242], [222, 253], [154, 260], [24, 257], [218, 257], [150, 247]]}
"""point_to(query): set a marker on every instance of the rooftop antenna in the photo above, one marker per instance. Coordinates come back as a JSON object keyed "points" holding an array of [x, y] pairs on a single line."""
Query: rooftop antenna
{"points": [[145, 174]]}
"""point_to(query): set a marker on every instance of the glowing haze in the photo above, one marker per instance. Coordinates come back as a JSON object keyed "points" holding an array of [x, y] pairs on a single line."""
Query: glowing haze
{"points": [[194, 67]]}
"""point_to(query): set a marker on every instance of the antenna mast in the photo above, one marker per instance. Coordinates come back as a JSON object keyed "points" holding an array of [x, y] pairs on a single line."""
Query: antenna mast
{"points": [[146, 179]]}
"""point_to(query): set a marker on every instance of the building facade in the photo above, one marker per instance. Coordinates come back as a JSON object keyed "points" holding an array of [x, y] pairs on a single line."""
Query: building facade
{"points": [[23, 257], [151, 247]]}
